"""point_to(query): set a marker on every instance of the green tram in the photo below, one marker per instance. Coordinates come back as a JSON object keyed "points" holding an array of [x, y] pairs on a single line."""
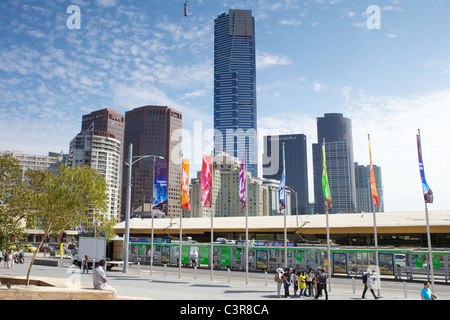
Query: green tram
{"points": [[406, 263]]}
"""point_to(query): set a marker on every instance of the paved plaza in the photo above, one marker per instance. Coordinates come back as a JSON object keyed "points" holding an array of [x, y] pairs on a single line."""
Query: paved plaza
{"points": [[197, 285]]}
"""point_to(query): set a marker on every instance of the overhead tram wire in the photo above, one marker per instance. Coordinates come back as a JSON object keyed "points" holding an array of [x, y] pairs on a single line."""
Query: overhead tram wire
{"points": [[184, 13]]}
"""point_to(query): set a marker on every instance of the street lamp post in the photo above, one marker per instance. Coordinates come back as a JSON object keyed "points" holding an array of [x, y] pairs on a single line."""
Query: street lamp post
{"points": [[129, 164], [296, 201]]}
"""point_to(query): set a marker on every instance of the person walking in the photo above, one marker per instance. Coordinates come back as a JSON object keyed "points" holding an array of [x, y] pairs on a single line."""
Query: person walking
{"points": [[368, 284], [294, 281], [99, 278], [286, 282], [426, 293], [302, 284], [321, 284], [279, 280], [85, 264], [309, 282]]}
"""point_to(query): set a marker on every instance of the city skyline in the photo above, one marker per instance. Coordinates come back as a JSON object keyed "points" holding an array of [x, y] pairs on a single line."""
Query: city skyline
{"points": [[313, 57]]}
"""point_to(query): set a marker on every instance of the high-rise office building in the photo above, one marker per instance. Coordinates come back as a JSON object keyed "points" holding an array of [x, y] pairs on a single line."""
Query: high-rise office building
{"points": [[103, 152], [364, 190], [105, 125], [296, 166], [153, 130], [235, 117], [337, 132]]}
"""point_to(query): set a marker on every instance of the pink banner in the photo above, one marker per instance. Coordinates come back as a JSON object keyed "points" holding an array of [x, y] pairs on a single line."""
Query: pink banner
{"points": [[206, 181]]}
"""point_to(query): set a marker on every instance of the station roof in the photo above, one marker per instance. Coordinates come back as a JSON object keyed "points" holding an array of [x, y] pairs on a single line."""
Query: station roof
{"points": [[354, 223]]}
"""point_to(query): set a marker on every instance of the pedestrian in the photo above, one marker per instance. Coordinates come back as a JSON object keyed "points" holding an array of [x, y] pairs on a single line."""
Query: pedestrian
{"points": [[302, 284], [286, 281], [426, 293], [321, 284], [309, 282], [85, 264], [99, 278], [11, 258], [279, 280], [294, 281], [368, 284]]}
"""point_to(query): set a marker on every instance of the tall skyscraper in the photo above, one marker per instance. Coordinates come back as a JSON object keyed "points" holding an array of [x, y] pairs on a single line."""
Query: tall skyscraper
{"points": [[235, 116], [296, 166], [337, 132], [363, 188], [99, 145], [153, 130]]}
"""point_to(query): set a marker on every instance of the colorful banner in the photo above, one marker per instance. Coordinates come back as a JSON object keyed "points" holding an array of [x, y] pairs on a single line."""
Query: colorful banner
{"points": [[242, 182], [373, 184], [427, 193], [282, 188], [325, 184], [185, 200], [160, 189], [206, 182]]}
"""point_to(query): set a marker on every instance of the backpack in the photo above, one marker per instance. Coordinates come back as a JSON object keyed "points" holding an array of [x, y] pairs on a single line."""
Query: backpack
{"points": [[277, 278], [364, 279]]}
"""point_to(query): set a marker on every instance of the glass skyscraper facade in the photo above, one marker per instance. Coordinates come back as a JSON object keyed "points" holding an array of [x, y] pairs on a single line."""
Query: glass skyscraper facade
{"points": [[235, 117], [296, 166], [363, 188], [153, 130], [337, 132]]}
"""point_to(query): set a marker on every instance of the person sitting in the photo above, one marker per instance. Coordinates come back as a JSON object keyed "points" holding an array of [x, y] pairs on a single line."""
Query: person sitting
{"points": [[99, 278]]}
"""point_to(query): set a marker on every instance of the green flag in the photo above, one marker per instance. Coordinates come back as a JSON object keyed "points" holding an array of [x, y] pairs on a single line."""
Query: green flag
{"points": [[325, 184]]}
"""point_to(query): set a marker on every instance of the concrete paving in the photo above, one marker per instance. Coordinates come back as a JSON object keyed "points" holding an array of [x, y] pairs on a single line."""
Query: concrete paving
{"points": [[196, 285]]}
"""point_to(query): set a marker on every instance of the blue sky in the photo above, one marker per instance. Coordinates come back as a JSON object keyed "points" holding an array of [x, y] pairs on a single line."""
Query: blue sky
{"points": [[313, 57]]}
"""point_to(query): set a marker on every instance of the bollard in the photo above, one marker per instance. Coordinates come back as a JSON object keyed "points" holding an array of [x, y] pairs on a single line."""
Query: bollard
{"points": [[266, 278], [61, 264], [139, 268], [195, 273], [229, 275], [405, 289], [165, 270], [354, 285]]}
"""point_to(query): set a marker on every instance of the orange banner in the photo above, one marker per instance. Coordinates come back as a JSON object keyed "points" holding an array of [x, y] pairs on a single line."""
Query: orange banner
{"points": [[185, 201], [373, 184]]}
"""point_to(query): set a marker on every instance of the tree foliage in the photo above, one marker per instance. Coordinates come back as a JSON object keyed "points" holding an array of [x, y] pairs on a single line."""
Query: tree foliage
{"points": [[74, 197], [13, 199]]}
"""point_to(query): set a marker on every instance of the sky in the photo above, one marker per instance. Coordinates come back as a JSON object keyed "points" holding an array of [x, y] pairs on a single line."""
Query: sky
{"points": [[383, 64]]}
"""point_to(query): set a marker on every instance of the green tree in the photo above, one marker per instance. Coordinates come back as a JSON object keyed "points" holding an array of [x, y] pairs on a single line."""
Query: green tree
{"points": [[73, 197], [13, 201]]}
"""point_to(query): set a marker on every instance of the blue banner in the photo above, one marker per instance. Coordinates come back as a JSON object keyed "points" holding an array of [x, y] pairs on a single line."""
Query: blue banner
{"points": [[427, 193], [160, 189]]}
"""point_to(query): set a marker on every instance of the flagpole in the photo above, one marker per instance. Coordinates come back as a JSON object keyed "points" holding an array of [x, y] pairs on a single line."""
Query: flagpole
{"points": [[181, 224], [285, 229], [427, 218], [328, 237], [247, 202], [212, 217], [375, 233]]}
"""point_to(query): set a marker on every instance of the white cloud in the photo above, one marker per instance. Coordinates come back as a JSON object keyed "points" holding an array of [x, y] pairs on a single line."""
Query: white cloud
{"points": [[392, 123], [107, 3], [318, 86], [266, 60]]}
